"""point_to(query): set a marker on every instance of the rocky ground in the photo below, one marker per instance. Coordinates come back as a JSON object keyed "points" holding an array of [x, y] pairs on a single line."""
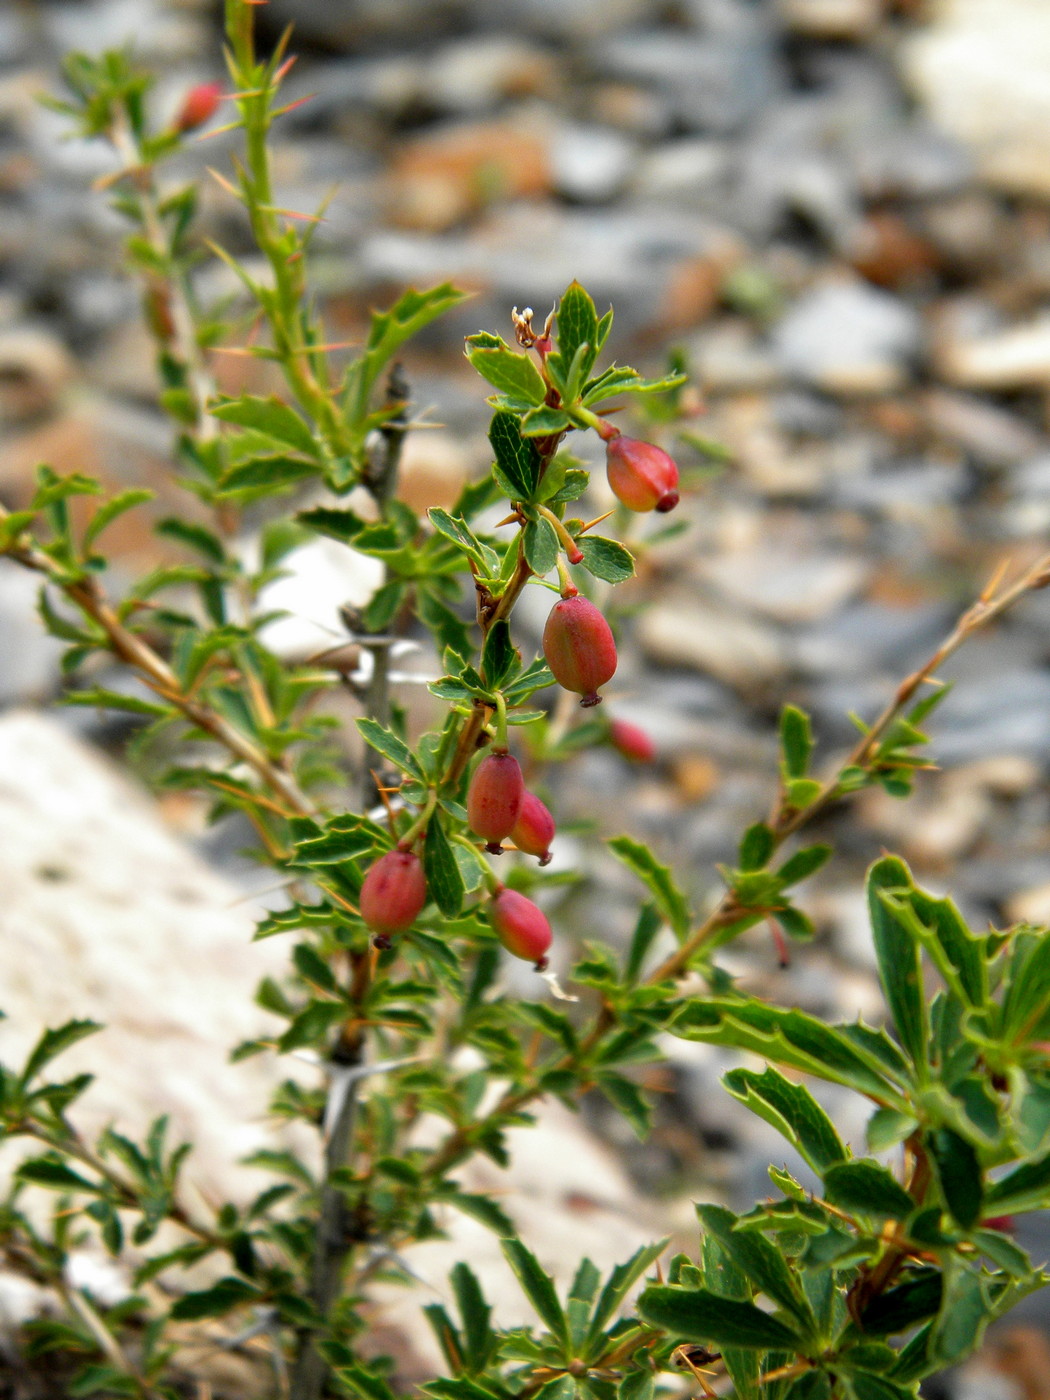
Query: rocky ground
{"points": [[836, 210]]}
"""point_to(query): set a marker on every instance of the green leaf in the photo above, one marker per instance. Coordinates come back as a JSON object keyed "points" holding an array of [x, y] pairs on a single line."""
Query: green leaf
{"points": [[959, 1173], [899, 957], [106, 514], [499, 657], [762, 1262], [620, 1282], [901, 1307], [541, 546], [1027, 1188], [793, 1111], [114, 700], [695, 1315], [49, 1171], [482, 1209], [796, 741], [867, 1188], [342, 525], [793, 1039], [963, 1316], [577, 322], [444, 881], [509, 371], [516, 457], [606, 559], [639, 859], [270, 417], [626, 1096], [265, 475], [486, 558], [538, 1288], [52, 1043], [387, 743], [313, 968], [864, 1385], [545, 421], [475, 1313], [803, 864], [216, 1301], [756, 847]]}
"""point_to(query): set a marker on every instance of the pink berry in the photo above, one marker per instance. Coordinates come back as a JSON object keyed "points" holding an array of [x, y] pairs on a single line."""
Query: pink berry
{"points": [[534, 830], [579, 648], [394, 893], [199, 106], [641, 475], [494, 799], [630, 741], [521, 927]]}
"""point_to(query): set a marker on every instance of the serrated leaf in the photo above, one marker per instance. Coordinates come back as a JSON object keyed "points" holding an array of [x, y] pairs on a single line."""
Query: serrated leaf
{"points": [[475, 1314], [265, 474], [486, 558], [761, 1262], [620, 1282], [500, 657], [963, 1316], [628, 1098], [516, 456], [54, 1174], [867, 1188], [606, 559], [313, 968], [695, 1315], [541, 546], [1024, 1189], [116, 506], [268, 416], [53, 1042], [899, 957], [538, 1287], [342, 525], [803, 864], [482, 1209], [444, 881], [657, 878], [511, 372], [959, 1174], [386, 742], [577, 322], [545, 421], [216, 1301], [792, 1110]]}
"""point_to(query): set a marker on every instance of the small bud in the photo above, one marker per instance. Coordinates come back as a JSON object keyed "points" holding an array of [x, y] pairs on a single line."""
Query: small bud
{"points": [[641, 475], [394, 893], [534, 830], [494, 799], [199, 106], [520, 926], [579, 648], [630, 741]]}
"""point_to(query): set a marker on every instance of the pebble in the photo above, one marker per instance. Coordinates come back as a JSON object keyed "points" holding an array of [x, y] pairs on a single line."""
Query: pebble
{"points": [[738, 651], [784, 585], [831, 19], [591, 164], [848, 338], [1015, 358]]}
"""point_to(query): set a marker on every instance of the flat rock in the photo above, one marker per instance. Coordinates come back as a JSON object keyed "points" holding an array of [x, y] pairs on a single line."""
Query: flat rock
{"points": [[831, 19], [848, 337], [784, 584], [1015, 358], [980, 69], [689, 631]]}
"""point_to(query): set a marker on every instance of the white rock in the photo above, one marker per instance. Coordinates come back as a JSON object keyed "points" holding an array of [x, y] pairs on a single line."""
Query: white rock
{"points": [[981, 69], [1010, 359], [689, 631], [832, 19], [591, 163], [848, 337], [784, 584]]}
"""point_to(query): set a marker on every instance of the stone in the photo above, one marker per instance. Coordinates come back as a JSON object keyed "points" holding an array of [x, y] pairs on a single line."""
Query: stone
{"points": [[474, 75], [1017, 357], [591, 164], [980, 69], [784, 584], [994, 436], [35, 370], [687, 169], [847, 338], [685, 630], [831, 19]]}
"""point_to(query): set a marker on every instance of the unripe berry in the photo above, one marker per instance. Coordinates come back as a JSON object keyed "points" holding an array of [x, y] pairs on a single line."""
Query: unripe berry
{"points": [[641, 475], [630, 741], [534, 830], [494, 799], [520, 926], [394, 893], [579, 647], [199, 106]]}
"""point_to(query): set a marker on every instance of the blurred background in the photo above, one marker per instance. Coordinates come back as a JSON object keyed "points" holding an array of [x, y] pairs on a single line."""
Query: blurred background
{"points": [[833, 212]]}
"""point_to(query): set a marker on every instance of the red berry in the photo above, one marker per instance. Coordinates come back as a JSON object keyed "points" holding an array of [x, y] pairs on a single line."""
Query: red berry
{"points": [[631, 742], [534, 830], [394, 893], [494, 799], [642, 476], [520, 926], [199, 106], [579, 647]]}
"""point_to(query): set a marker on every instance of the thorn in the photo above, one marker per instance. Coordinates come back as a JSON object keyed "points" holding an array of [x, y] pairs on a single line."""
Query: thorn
{"points": [[291, 106], [992, 586], [226, 185], [591, 523]]}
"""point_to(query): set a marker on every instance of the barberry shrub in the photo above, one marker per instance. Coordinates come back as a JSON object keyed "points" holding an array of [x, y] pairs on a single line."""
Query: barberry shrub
{"points": [[882, 1263]]}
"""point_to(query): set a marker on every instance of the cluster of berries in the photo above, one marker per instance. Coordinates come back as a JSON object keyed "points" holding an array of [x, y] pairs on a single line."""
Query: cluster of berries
{"points": [[580, 650]]}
